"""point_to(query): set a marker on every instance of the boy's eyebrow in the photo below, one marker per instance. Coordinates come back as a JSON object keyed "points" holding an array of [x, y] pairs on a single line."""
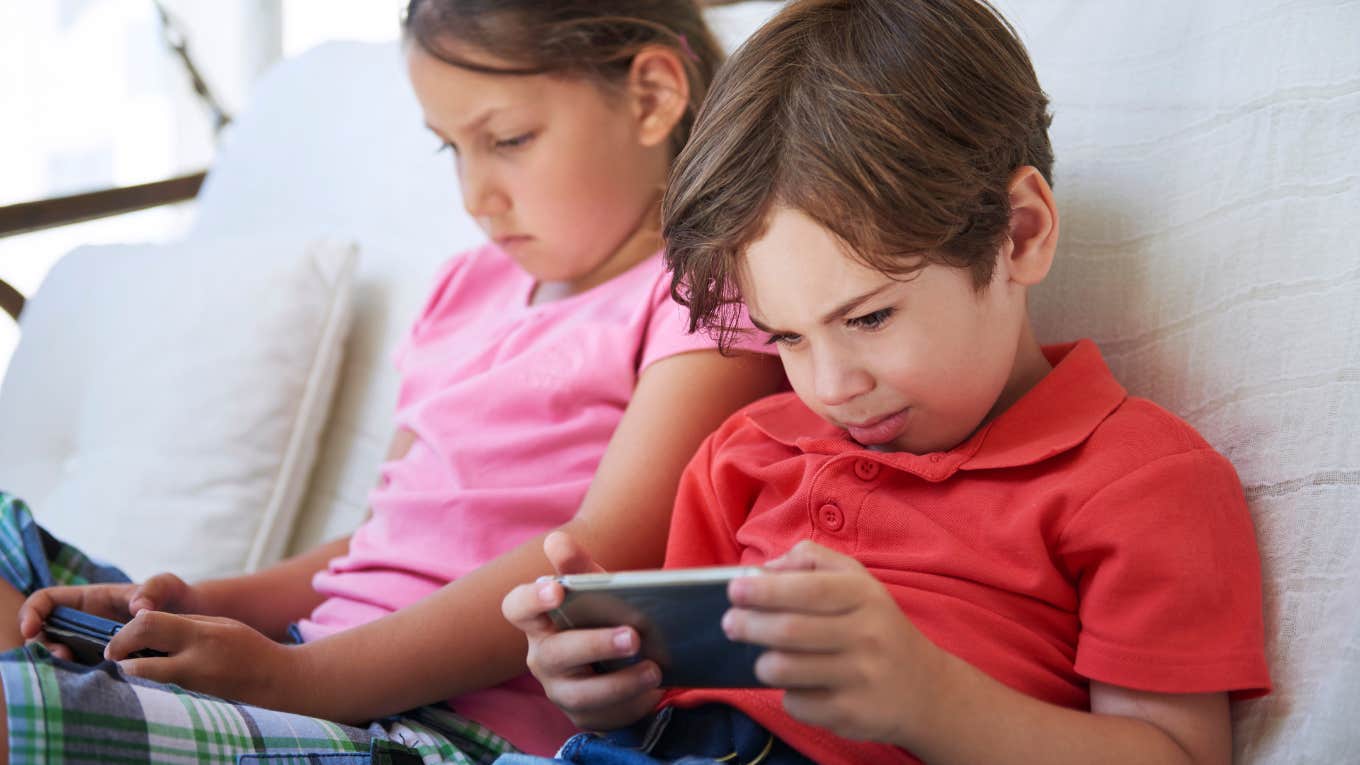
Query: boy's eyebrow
{"points": [[853, 303], [844, 309]]}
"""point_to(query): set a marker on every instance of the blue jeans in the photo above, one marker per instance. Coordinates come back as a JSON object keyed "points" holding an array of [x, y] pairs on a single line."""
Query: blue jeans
{"points": [[707, 735]]}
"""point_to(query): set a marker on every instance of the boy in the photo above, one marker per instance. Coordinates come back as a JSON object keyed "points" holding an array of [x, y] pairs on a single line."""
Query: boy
{"points": [[987, 551]]}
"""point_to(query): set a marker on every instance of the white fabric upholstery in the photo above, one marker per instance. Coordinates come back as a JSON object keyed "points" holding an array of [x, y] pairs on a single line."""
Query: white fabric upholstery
{"points": [[1208, 179], [163, 407]]}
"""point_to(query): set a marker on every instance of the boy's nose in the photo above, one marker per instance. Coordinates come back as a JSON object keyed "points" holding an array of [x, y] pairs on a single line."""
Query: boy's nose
{"points": [[838, 380]]}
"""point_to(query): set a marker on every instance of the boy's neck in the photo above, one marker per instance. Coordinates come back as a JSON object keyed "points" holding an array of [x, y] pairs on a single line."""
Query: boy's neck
{"points": [[1031, 366]]}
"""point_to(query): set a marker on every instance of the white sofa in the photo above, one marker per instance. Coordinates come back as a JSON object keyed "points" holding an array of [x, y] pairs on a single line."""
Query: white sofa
{"points": [[1209, 181]]}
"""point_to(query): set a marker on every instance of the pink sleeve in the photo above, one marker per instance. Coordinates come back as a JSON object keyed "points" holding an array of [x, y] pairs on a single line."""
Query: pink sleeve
{"points": [[434, 304], [668, 330]]}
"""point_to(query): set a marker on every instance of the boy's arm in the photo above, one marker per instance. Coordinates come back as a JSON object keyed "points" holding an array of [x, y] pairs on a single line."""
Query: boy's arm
{"points": [[456, 640], [853, 663], [1123, 726]]}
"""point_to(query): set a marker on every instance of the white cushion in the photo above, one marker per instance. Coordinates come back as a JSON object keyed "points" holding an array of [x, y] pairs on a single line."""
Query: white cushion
{"points": [[163, 407], [1208, 178]]}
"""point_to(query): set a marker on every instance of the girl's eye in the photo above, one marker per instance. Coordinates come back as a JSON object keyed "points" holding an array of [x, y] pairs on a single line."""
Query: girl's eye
{"points": [[515, 142], [784, 339], [446, 146], [871, 320]]}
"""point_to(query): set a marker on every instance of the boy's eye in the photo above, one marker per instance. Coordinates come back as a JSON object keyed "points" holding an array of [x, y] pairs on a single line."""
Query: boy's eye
{"points": [[515, 142], [783, 339], [871, 320]]}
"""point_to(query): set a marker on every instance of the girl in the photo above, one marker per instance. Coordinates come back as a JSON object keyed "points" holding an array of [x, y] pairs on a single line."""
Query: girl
{"points": [[550, 355]]}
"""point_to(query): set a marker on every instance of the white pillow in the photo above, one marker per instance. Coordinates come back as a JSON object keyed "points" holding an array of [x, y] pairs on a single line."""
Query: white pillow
{"points": [[163, 407]]}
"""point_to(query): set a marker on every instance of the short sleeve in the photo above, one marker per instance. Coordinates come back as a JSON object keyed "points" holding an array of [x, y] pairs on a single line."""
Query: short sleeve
{"points": [[1169, 580], [434, 303], [705, 520], [668, 330]]}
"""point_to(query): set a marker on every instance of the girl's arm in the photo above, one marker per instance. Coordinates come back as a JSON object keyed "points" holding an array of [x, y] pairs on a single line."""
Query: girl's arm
{"points": [[456, 640], [272, 598]]}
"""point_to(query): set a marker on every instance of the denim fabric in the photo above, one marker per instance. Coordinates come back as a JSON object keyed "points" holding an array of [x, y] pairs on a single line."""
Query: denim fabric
{"points": [[702, 736]]}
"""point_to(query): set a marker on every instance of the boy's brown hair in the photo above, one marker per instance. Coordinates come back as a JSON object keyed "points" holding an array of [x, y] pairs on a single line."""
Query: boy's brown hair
{"points": [[596, 39], [895, 124]]}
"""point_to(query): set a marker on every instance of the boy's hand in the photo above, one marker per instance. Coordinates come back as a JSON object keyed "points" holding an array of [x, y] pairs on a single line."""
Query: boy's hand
{"points": [[850, 660], [120, 602], [209, 654], [561, 659]]}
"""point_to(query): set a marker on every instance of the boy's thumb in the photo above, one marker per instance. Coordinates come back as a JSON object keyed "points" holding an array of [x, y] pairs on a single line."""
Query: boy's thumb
{"points": [[567, 556]]}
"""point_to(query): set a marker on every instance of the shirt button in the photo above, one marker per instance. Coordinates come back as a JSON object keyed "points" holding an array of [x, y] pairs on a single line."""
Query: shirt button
{"points": [[867, 470], [831, 517]]}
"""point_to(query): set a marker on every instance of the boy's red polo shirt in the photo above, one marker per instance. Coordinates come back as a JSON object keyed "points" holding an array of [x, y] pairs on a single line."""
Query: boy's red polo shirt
{"points": [[1081, 535]]}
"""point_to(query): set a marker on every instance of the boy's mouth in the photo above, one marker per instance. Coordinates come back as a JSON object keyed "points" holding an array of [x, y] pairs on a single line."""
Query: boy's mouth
{"points": [[879, 430]]}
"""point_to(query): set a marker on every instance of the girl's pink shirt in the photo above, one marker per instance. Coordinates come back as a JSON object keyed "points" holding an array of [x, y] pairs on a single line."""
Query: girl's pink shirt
{"points": [[511, 405]]}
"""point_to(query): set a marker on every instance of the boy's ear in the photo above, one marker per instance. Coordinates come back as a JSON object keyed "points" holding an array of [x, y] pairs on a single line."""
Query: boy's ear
{"points": [[659, 88], [1033, 234]]}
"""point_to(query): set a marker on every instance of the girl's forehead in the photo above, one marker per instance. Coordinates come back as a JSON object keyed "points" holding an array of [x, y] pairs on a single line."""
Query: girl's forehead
{"points": [[463, 96]]}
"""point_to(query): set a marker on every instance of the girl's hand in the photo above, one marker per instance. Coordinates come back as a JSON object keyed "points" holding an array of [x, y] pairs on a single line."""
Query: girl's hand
{"points": [[850, 660], [561, 659], [120, 602], [208, 654]]}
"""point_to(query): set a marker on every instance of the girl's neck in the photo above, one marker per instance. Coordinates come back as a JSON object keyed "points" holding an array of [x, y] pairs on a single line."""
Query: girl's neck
{"points": [[643, 242]]}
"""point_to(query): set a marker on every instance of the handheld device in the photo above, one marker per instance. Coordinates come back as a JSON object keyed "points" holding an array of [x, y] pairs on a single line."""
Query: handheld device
{"points": [[85, 634], [677, 614]]}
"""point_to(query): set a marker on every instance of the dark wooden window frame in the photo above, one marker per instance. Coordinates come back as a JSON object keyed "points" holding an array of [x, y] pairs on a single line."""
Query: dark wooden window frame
{"points": [[25, 217]]}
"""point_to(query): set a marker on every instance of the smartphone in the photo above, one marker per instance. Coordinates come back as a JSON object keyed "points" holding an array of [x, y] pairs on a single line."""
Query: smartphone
{"points": [[678, 616], [85, 634]]}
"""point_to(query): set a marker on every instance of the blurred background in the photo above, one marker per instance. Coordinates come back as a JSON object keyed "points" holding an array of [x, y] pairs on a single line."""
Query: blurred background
{"points": [[94, 95]]}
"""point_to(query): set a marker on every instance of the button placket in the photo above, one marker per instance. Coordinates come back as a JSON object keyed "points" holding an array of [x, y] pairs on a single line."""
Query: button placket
{"points": [[831, 517], [866, 470]]}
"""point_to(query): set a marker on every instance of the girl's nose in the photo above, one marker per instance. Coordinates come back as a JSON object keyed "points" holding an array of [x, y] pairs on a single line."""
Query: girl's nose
{"points": [[482, 195]]}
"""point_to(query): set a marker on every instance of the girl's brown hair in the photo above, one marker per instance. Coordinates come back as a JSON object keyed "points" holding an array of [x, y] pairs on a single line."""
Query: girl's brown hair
{"points": [[895, 124], [591, 38]]}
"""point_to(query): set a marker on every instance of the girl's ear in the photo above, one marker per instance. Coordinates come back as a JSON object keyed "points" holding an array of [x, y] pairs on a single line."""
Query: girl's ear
{"points": [[659, 92], [1033, 234]]}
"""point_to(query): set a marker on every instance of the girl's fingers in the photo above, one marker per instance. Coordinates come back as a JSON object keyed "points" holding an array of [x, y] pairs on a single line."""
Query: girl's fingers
{"points": [[156, 630], [785, 630], [571, 652]]}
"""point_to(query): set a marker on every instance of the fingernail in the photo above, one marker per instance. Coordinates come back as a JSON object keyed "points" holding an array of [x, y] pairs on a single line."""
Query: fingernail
{"points": [[729, 623], [546, 594], [544, 578], [738, 590], [651, 676], [623, 639]]}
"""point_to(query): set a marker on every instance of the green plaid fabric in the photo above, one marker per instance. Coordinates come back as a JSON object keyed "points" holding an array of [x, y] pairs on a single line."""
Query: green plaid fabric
{"points": [[61, 712]]}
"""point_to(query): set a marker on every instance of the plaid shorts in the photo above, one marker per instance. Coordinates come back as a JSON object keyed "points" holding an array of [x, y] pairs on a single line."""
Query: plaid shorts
{"points": [[60, 712]]}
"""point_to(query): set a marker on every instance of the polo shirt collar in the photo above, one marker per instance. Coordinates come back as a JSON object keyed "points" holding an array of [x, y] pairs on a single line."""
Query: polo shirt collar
{"points": [[1058, 413]]}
